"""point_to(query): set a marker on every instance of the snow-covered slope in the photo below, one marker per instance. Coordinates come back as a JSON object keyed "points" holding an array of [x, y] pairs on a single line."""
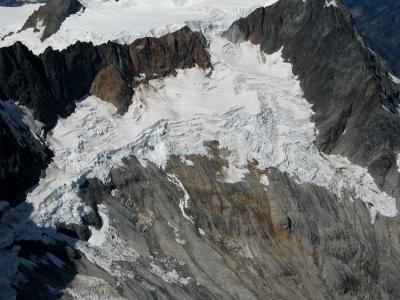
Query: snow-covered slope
{"points": [[250, 102], [127, 20], [13, 18]]}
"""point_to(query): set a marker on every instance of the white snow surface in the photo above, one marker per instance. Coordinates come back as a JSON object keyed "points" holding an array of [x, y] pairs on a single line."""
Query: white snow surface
{"points": [[329, 3], [264, 180], [184, 202], [394, 78], [171, 277], [98, 236], [251, 103], [13, 18], [126, 20]]}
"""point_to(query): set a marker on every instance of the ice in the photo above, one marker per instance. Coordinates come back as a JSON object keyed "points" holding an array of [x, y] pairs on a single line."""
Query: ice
{"points": [[394, 78], [251, 103], [171, 277], [91, 288], [184, 202], [126, 20], [99, 236], [233, 174], [13, 18], [264, 180]]}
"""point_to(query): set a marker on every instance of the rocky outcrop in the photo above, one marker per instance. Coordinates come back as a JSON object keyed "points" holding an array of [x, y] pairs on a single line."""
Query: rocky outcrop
{"points": [[50, 84], [354, 98], [23, 156], [111, 87], [160, 57], [379, 23], [19, 2], [49, 17], [244, 240]]}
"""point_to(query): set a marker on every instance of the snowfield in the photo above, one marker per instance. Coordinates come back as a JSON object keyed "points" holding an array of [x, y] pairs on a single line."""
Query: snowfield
{"points": [[13, 18], [250, 102], [126, 20]]}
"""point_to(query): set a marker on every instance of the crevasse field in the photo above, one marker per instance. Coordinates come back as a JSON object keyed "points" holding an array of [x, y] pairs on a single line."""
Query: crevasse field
{"points": [[250, 102]]}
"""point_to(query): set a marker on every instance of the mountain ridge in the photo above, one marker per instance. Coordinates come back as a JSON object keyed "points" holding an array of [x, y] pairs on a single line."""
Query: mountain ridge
{"points": [[361, 97], [208, 185]]}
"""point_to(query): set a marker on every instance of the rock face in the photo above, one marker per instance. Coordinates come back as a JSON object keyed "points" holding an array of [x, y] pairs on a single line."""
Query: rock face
{"points": [[50, 83], [185, 231], [19, 2], [354, 98], [280, 241], [22, 155], [109, 86], [379, 23], [50, 16]]}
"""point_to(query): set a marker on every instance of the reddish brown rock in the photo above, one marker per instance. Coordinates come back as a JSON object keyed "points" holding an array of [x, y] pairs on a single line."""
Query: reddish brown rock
{"points": [[111, 87]]}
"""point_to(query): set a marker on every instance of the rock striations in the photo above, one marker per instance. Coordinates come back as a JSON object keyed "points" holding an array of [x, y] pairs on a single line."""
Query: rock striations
{"points": [[184, 231], [355, 101]]}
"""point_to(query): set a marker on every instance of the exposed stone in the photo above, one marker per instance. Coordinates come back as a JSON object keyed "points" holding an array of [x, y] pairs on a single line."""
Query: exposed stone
{"points": [[354, 98], [50, 84], [50, 16], [76, 231], [109, 86], [289, 241], [22, 157], [379, 23], [160, 57]]}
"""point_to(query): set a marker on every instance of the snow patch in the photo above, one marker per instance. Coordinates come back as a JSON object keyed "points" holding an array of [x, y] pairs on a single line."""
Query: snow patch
{"points": [[201, 231], [252, 104], [85, 287], [394, 78], [98, 237], [184, 202], [13, 18], [329, 3], [170, 277], [186, 161], [178, 237], [264, 180], [232, 174]]}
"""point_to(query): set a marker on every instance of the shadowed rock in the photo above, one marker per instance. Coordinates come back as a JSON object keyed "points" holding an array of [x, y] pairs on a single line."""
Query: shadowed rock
{"points": [[354, 98], [22, 155], [247, 240], [379, 23], [50, 84]]}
